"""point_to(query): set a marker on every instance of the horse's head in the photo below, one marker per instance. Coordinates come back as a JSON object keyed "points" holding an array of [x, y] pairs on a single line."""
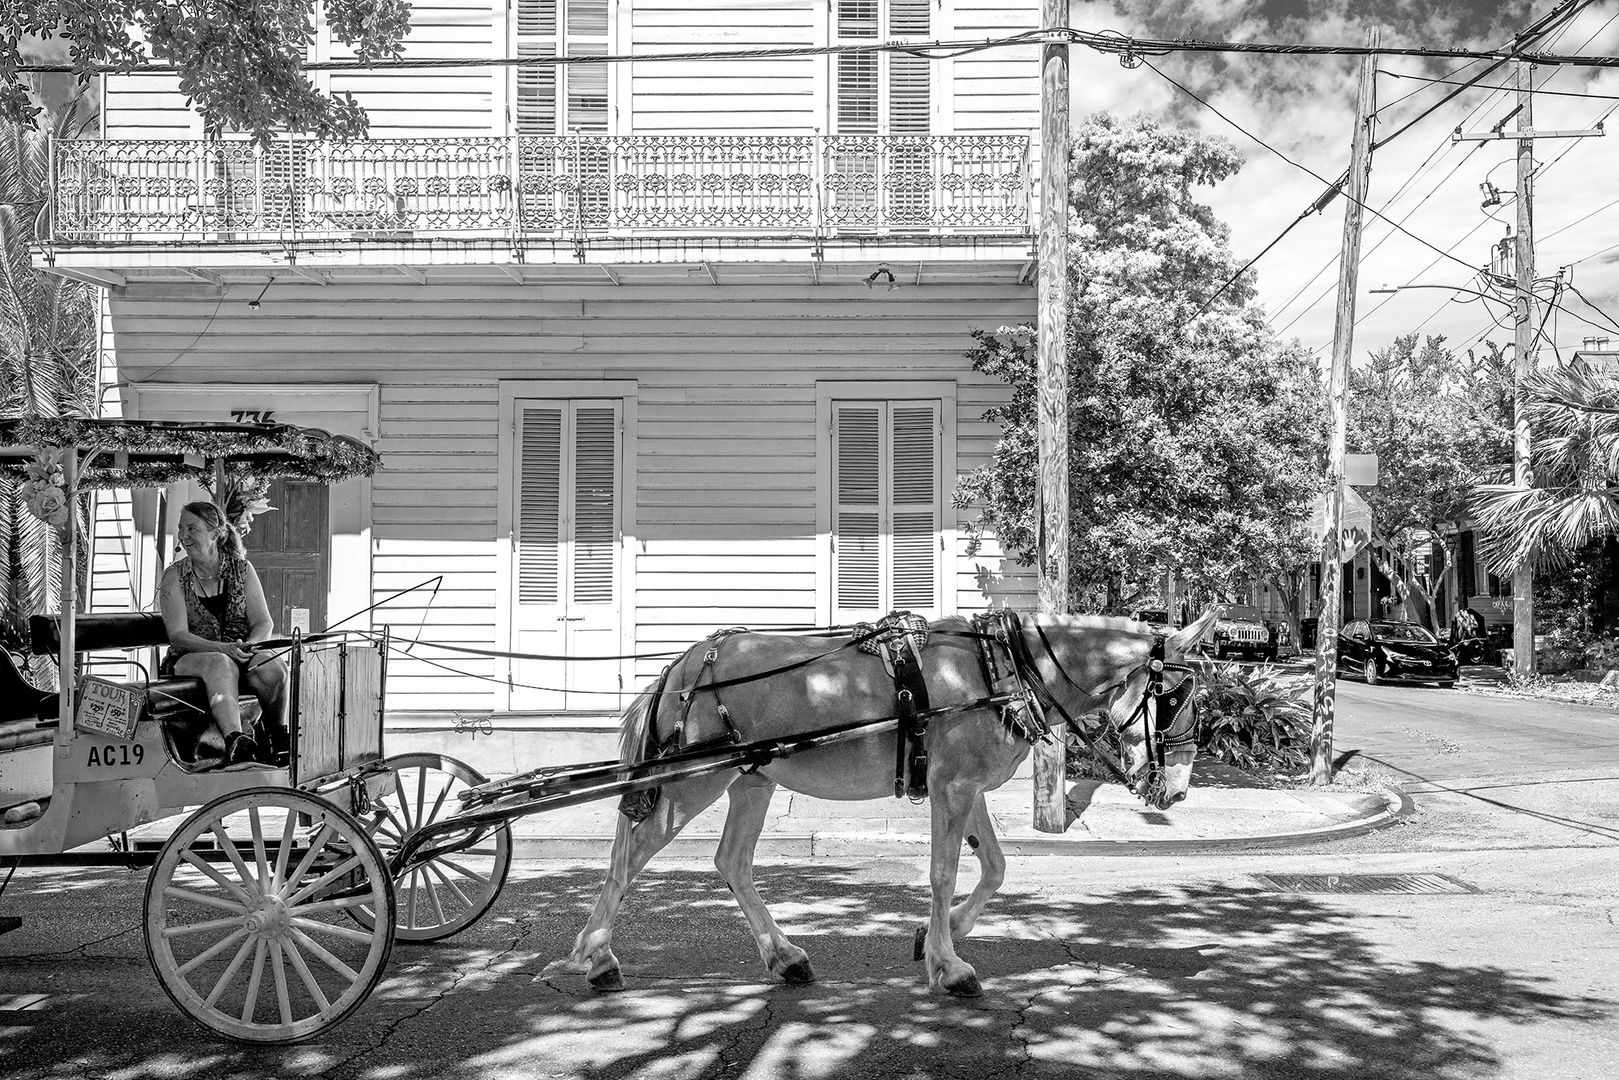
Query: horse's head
{"points": [[1146, 690]]}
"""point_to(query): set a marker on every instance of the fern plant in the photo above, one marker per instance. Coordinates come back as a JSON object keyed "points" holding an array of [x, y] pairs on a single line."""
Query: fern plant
{"points": [[1255, 718]]}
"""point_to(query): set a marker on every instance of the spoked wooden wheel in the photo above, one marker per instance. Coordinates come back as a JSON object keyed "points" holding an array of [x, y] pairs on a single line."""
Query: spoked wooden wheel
{"points": [[450, 893], [246, 921]]}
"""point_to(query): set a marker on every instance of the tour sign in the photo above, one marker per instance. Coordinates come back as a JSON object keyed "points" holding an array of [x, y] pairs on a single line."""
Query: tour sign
{"points": [[106, 708]]}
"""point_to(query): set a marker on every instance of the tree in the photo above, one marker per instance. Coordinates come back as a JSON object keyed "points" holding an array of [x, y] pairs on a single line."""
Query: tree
{"points": [[241, 62], [1195, 436], [47, 357], [1437, 422], [1574, 415]]}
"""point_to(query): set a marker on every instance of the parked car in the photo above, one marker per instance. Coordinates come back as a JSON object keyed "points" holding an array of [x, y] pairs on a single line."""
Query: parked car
{"points": [[1390, 651], [1157, 618], [1241, 631]]}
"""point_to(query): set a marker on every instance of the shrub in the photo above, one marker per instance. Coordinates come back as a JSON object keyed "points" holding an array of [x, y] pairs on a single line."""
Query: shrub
{"points": [[1257, 719]]}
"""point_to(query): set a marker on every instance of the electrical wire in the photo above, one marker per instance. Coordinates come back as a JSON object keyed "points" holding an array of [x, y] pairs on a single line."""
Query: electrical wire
{"points": [[1317, 205]]}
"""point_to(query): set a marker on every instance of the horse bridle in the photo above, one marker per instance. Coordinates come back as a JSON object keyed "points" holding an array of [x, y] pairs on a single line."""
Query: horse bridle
{"points": [[1175, 702]]}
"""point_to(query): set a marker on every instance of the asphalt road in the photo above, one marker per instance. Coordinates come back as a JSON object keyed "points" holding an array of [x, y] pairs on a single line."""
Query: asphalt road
{"points": [[1186, 966]]}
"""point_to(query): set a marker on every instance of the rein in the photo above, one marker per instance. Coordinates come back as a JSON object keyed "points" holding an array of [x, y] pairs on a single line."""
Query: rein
{"points": [[1178, 736]]}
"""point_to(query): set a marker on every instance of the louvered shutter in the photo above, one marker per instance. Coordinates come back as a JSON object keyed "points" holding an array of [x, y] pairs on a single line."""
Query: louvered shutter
{"points": [[536, 86], [908, 18], [539, 506], [857, 18], [856, 482], [595, 506], [915, 557]]}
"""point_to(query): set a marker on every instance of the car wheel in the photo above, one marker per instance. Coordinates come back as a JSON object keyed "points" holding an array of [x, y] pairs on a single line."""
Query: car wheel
{"points": [[1219, 652], [1372, 672], [1269, 656], [1447, 684]]}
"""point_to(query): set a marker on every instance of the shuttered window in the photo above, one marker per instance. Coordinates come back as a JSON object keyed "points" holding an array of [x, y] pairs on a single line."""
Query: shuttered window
{"points": [[595, 504], [883, 93], [566, 99], [567, 513], [886, 513], [539, 507]]}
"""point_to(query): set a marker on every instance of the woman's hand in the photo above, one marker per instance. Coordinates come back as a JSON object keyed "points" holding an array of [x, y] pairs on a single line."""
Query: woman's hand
{"points": [[236, 650]]}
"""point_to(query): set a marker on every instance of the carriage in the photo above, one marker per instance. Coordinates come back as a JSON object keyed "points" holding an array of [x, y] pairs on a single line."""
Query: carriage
{"points": [[272, 907], [271, 910]]}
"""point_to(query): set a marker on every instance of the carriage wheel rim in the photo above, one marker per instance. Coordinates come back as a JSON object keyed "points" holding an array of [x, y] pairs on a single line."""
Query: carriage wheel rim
{"points": [[273, 960], [450, 893]]}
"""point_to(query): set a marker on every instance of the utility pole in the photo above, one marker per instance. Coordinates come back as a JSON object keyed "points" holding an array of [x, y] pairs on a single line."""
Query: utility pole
{"points": [[1526, 330], [1051, 513], [1523, 365], [1326, 648]]}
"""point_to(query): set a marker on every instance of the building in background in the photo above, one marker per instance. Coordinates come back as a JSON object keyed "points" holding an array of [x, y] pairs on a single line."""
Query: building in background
{"points": [[648, 348]]}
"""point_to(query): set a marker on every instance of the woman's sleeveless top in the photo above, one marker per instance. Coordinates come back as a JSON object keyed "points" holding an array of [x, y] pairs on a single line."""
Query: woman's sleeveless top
{"points": [[200, 620]]}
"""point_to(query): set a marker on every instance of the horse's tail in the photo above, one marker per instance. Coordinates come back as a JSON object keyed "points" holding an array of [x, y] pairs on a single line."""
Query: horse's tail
{"points": [[634, 744], [632, 736]]}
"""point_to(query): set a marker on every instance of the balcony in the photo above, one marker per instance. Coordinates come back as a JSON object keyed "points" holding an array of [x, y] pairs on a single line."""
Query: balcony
{"points": [[532, 189]]}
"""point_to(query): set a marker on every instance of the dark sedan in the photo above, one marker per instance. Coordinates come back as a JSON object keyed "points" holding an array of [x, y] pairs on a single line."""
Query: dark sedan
{"points": [[1394, 651]]}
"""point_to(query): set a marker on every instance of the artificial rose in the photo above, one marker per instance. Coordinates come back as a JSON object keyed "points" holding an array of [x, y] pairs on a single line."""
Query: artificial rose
{"points": [[46, 502]]}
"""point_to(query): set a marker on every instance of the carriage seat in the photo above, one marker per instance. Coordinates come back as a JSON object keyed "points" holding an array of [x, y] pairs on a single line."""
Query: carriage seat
{"points": [[27, 713], [178, 702]]}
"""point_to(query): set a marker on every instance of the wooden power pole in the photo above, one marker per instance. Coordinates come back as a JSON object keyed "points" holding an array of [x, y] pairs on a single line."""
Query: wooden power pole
{"points": [[1326, 649], [1523, 364], [1050, 758], [1527, 330]]}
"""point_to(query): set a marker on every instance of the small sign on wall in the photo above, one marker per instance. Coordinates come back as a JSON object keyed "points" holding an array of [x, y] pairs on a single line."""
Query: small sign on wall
{"points": [[298, 620], [106, 708]]}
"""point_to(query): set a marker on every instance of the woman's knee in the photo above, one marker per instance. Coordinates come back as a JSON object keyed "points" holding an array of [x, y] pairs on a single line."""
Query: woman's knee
{"points": [[268, 680], [216, 669]]}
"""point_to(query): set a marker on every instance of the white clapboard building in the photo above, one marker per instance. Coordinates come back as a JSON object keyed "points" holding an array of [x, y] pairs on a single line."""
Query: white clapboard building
{"points": [[647, 347]]}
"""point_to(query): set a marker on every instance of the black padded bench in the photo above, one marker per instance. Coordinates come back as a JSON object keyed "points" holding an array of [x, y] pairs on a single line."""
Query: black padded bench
{"points": [[179, 703]]}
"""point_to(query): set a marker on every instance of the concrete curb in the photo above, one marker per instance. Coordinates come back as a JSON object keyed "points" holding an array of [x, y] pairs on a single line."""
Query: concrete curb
{"points": [[1397, 805]]}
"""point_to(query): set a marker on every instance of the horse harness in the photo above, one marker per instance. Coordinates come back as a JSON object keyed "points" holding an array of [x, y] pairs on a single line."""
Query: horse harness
{"points": [[1010, 674]]}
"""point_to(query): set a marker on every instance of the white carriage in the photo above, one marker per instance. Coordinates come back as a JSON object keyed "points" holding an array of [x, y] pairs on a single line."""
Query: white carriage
{"points": [[272, 908]]}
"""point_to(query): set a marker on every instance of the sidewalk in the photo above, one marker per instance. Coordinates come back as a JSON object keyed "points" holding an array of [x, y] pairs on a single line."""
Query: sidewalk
{"points": [[1224, 809]]}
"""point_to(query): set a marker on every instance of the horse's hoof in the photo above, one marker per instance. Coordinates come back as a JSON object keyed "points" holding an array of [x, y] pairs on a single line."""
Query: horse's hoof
{"points": [[919, 944], [799, 973], [966, 987], [607, 981]]}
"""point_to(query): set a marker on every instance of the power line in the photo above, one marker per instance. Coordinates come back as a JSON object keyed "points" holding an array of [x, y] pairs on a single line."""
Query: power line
{"points": [[1493, 86], [1318, 205], [1127, 48]]}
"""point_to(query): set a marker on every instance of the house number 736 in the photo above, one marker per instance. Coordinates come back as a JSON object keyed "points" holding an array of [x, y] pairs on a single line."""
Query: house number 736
{"points": [[253, 416]]}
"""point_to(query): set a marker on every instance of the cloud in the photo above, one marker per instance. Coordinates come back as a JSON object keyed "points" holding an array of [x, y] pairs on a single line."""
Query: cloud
{"points": [[1303, 108]]}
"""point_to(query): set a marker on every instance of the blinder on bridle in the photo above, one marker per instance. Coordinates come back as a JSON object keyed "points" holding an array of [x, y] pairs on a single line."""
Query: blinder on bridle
{"points": [[1166, 707]]}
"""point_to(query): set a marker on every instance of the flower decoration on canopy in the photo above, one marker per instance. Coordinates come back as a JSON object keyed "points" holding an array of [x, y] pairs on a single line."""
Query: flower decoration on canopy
{"points": [[246, 497], [44, 493]]}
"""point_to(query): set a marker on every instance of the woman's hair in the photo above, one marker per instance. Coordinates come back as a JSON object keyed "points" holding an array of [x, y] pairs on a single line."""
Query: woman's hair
{"points": [[210, 515]]}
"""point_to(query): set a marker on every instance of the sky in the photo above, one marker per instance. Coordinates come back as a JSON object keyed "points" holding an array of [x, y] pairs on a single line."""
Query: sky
{"points": [[1304, 108]]}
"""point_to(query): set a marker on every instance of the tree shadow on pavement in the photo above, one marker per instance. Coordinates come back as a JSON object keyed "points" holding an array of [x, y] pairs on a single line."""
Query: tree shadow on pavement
{"points": [[1194, 980]]}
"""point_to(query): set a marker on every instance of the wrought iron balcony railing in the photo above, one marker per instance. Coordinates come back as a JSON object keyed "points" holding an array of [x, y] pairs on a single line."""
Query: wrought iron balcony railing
{"points": [[528, 187]]}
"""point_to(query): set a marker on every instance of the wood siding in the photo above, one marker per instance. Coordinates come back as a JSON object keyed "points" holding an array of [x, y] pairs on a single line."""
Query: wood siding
{"points": [[744, 97], [992, 91], [997, 90], [725, 468]]}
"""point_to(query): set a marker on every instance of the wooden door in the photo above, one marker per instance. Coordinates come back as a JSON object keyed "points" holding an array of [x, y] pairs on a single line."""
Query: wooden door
{"points": [[290, 546], [566, 556]]}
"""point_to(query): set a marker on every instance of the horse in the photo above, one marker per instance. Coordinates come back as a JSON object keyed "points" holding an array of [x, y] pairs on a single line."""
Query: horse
{"points": [[742, 686]]}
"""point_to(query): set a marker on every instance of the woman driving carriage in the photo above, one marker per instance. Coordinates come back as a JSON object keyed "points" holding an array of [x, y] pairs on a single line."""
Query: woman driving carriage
{"points": [[214, 609]]}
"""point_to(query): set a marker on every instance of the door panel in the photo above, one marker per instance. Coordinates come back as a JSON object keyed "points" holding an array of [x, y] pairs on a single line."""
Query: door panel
{"points": [[290, 547], [568, 530]]}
